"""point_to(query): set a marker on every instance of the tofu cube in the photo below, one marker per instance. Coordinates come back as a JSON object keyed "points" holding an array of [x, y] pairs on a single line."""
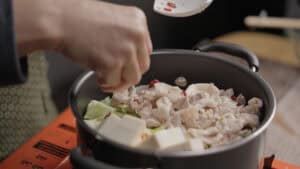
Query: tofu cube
{"points": [[170, 139], [148, 142], [195, 145], [127, 131], [109, 125]]}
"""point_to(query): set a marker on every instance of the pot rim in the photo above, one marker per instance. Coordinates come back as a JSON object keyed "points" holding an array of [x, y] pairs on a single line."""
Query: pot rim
{"points": [[265, 123]]}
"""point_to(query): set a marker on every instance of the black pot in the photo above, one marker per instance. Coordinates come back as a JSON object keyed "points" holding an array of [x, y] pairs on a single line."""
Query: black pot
{"points": [[197, 66]]}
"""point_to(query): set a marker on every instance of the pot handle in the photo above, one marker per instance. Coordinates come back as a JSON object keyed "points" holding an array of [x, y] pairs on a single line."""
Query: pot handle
{"points": [[232, 49], [80, 161]]}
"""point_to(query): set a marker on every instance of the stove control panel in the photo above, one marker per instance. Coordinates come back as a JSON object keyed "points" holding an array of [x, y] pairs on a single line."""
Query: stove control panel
{"points": [[49, 149]]}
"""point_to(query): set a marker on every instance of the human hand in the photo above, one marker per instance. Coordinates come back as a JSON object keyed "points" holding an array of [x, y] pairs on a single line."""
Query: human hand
{"points": [[112, 40]]}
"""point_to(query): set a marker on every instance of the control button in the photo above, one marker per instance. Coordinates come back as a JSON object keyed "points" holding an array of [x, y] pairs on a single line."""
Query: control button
{"points": [[171, 4], [168, 9]]}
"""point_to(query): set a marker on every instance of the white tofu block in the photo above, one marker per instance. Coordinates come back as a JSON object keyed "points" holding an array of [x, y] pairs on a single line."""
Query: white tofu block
{"points": [[170, 139], [94, 124], [148, 142], [195, 145], [109, 125], [127, 131]]}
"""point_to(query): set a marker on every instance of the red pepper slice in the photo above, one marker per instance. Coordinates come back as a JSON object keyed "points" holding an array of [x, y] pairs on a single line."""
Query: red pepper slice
{"points": [[184, 93], [152, 83], [136, 100], [168, 9], [171, 4], [233, 98]]}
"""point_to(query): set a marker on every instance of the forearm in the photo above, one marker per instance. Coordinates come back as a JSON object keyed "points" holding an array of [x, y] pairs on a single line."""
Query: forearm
{"points": [[37, 25]]}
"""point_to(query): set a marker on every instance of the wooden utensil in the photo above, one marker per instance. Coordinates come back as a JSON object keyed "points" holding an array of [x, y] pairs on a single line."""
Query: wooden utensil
{"points": [[272, 22]]}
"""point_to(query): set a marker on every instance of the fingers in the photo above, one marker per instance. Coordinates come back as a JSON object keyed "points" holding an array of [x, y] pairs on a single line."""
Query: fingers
{"points": [[148, 40], [132, 52], [149, 43], [109, 74], [104, 86], [130, 76], [145, 51], [113, 76], [131, 73], [144, 40], [143, 58], [120, 87], [124, 75]]}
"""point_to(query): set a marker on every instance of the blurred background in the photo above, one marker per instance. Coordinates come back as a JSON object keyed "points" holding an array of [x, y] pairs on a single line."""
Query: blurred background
{"points": [[278, 50]]}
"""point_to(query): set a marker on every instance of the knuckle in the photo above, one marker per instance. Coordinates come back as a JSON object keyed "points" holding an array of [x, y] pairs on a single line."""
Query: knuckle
{"points": [[127, 51], [118, 64], [146, 67], [140, 34], [137, 78], [139, 14], [139, 22], [149, 45]]}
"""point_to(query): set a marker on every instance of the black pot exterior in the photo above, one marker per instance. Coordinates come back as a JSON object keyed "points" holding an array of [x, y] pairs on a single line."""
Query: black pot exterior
{"points": [[196, 66], [248, 156]]}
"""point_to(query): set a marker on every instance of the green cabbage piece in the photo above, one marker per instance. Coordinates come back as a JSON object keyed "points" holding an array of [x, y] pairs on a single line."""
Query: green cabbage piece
{"points": [[106, 101], [98, 110], [125, 109], [157, 129]]}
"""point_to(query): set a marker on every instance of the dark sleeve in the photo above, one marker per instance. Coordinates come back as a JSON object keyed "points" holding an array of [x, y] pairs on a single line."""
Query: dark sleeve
{"points": [[12, 69]]}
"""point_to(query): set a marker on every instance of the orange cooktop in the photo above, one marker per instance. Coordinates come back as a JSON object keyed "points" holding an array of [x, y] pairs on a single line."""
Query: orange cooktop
{"points": [[50, 148]]}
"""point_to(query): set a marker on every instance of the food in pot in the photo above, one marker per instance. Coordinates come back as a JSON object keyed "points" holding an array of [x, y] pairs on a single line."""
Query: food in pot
{"points": [[163, 117]]}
